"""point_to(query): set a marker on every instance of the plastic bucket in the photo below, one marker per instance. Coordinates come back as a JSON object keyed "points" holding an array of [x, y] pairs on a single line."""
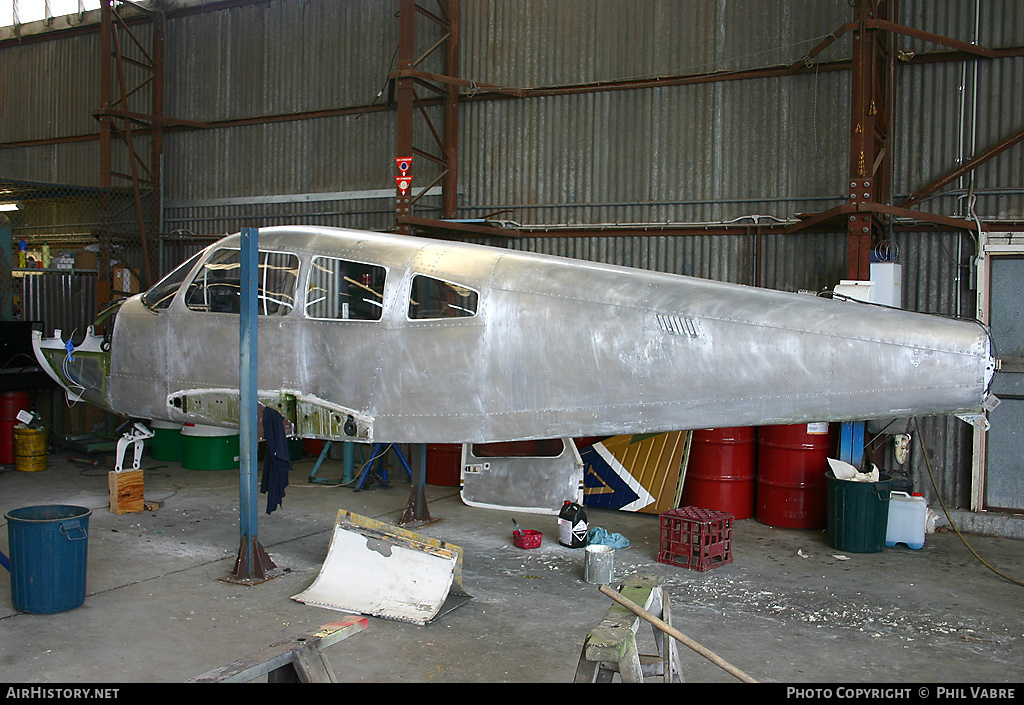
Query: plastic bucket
{"points": [[29, 449], [209, 447], [10, 404], [49, 548], [166, 443], [858, 514], [722, 471]]}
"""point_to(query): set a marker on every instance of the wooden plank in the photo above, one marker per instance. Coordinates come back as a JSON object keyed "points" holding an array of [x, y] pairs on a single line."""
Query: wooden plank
{"points": [[614, 638], [296, 653], [126, 491]]}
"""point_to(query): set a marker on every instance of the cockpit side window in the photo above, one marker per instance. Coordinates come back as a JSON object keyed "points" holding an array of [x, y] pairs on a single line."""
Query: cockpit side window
{"points": [[217, 286], [342, 289], [162, 293], [434, 298]]}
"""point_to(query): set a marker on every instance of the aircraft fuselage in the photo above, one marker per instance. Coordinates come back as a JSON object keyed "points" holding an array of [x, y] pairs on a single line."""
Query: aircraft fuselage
{"points": [[389, 338]]}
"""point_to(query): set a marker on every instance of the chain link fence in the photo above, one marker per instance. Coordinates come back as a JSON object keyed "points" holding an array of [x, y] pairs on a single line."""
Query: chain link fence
{"points": [[73, 250]]}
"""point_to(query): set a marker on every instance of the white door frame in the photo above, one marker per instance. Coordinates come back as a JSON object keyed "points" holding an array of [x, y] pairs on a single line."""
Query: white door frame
{"points": [[994, 245]]}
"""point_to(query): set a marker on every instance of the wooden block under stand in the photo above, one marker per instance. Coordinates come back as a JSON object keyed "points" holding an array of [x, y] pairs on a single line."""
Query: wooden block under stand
{"points": [[126, 493]]}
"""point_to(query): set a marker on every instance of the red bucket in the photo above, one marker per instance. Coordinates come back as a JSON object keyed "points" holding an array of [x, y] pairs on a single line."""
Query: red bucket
{"points": [[527, 538]]}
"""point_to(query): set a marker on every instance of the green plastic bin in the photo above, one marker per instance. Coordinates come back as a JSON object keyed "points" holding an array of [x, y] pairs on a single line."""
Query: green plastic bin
{"points": [[858, 513], [166, 443], [209, 447]]}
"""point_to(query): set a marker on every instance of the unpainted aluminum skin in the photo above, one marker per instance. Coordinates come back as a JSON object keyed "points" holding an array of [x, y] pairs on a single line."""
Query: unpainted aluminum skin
{"points": [[553, 348]]}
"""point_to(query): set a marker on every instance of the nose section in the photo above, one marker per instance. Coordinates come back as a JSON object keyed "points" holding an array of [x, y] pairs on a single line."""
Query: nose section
{"points": [[82, 371]]}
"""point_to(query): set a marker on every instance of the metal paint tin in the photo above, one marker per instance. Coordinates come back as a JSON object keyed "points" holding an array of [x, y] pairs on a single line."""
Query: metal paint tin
{"points": [[599, 564]]}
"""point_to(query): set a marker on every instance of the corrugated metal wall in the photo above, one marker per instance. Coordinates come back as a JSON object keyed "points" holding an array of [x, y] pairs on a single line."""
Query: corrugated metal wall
{"points": [[757, 151], [63, 300]]}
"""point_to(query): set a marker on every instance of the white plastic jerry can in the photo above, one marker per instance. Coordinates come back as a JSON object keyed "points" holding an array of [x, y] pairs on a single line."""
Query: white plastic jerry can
{"points": [[907, 516]]}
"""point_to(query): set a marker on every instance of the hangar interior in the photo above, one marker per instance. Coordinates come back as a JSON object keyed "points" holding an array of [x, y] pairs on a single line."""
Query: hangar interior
{"points": [[851, 149]]}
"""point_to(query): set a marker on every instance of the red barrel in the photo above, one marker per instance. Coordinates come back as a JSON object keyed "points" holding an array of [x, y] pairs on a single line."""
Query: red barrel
{"points": [[791, 466], [722, 470], [444, 464], [312, 447], [10, 404]]}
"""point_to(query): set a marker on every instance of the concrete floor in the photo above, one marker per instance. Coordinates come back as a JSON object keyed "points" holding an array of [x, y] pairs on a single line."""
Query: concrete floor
{"points": [[786, 610]]}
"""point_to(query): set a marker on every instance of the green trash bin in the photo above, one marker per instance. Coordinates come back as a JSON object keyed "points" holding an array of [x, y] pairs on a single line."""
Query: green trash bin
{"points": [[858, 513], [166, 443], [209, 447], [49, 551]]}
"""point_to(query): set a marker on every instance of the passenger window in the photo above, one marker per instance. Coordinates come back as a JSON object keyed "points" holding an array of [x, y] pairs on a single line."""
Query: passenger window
{"points": [[217, 286], [341, 289], [433, 298]]}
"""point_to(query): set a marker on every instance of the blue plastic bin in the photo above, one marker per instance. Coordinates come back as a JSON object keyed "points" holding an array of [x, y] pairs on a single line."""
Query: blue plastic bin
{"points": [[48, 555]]}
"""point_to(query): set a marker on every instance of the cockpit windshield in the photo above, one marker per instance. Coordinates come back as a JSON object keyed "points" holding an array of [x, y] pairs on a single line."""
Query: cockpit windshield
{"points": [[160, 295]]}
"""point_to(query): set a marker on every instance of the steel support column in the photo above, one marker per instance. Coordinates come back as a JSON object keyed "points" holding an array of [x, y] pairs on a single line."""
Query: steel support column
{"points": [[120, 117], [408, 104], [252, 564], [870, 120]]}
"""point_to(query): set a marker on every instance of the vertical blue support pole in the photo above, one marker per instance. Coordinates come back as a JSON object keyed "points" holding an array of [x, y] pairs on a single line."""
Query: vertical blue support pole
{"points": [[248, 356], [253, 565], [851, 443], [348, 462]]}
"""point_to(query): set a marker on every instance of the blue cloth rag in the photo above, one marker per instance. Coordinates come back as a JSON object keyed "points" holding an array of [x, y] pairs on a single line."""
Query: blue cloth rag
{"points": [[598, 535], [277, 460]]}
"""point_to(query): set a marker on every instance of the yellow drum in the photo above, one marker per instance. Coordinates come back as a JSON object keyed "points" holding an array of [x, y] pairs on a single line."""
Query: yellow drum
{"points": [[29, 449]]}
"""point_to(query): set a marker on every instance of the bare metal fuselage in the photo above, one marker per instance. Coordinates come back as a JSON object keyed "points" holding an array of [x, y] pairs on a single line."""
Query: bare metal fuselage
{"points": [[552, 348]]}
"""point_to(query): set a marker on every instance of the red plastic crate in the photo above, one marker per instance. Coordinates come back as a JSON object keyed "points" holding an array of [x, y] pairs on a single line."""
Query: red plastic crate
{"points": [[696, 538]]}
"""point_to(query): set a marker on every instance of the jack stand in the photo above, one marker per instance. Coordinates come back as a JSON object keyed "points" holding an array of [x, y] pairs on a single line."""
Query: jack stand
{"points": [[348, 454], [416, 512], [126, 487], [252, 566], [319, 461], [379, 451], [136, 436]]}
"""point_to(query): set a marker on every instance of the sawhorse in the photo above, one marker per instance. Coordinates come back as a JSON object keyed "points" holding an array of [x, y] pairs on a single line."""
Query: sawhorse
{"points": [[296, 661], [611, 648]]}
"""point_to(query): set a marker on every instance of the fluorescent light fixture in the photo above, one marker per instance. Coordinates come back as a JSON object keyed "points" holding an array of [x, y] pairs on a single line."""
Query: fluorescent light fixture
{"points": [[10, 206]]}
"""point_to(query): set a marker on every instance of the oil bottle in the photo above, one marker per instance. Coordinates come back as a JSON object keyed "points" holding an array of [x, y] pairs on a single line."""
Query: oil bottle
{"points": [[572, 525]]}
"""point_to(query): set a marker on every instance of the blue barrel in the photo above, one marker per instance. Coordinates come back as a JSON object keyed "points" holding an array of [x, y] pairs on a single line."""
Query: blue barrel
{"points": [[49, 551]]}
